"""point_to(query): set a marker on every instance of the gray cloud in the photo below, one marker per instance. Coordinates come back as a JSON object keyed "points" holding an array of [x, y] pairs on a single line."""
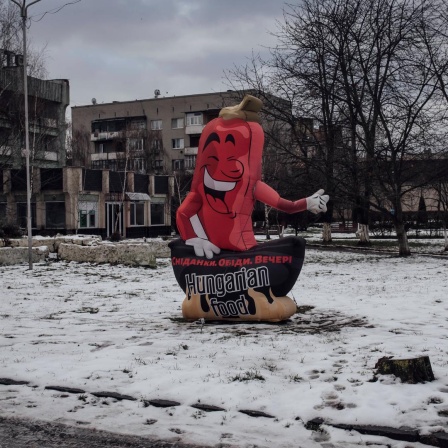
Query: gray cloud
{"points": [[124, 49]]}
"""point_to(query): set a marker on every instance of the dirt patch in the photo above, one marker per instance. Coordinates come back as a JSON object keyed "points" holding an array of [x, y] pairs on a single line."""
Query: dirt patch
{"points": [[308, 320], [315, 321]]}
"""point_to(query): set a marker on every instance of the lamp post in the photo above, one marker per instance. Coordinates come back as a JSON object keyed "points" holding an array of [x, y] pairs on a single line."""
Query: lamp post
{"points": [[23, 12]]}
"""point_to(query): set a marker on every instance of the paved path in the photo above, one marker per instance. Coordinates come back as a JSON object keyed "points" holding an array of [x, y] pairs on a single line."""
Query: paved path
{"points": [[23, 433]]}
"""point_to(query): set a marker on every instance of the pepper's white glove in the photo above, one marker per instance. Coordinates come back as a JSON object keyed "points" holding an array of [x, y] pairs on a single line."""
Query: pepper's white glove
{"points": [[317, 203], [202, 247]]}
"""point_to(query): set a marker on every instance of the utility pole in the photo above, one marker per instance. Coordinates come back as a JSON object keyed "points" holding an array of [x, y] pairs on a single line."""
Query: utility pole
{"points": [[24, 14]]}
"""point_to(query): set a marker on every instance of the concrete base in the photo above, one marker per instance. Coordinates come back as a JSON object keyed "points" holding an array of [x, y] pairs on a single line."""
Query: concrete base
{"points": [[89, 249]]}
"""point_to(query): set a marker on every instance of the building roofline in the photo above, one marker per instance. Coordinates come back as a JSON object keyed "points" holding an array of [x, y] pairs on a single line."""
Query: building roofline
{"points": [[158, 98]]}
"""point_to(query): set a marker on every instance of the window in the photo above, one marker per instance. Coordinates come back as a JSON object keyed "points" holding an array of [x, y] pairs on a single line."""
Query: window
{"points": [[2, 213], [21, 215], [51, 178], [158, 164], [138, 164], [49, 144], [178, 164], [55, 215], [190, 162], [18, 180], [194, 119], [121, 164], [117, 146], [177, 143], [88, 212], [106, 147], [138, 124], [136, 144], [104, 165], [156, 145], [156, 125], [194, 140], [161, 185], [114, 125], [137, 212], [177, 123], [157, 214]]}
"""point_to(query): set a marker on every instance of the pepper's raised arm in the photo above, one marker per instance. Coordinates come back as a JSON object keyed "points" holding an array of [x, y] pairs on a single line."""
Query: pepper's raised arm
{"points": [[316, 203]]}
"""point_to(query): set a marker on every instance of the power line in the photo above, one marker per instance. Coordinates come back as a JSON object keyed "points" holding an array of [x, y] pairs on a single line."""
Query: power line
{"points": [[53, 11]]}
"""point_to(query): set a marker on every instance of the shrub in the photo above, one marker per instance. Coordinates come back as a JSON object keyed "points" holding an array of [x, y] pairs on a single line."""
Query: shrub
{"points": [[115, 237], [11, 231]]}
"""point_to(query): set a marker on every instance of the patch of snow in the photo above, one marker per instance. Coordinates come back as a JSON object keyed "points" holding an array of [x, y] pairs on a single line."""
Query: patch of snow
{"points": [[117, 328]]}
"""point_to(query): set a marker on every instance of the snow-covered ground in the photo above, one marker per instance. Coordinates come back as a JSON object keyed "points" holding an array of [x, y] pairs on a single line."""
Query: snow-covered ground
{"points": [[115, 328], [431, 242]]}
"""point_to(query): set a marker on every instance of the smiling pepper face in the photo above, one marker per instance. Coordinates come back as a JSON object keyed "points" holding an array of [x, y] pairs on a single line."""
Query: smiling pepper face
{"points": [[219, 206], [223, 166]]}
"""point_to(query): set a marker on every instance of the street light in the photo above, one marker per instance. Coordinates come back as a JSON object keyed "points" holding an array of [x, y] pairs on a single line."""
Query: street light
{"points": [[23, 12]]}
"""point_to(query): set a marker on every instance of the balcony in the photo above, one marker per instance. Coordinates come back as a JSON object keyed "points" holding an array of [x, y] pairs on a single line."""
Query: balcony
{"points": [[45, 126], [104, 156], [194, 129], [6, 151], [50, 156], [95, 136], [191, 151]]}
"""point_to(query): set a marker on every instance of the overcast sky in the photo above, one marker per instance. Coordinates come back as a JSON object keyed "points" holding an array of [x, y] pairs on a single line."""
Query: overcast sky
{"points": [[117, 50]]}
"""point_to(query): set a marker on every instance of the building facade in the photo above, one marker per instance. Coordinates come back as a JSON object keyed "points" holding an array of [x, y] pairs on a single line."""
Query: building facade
{"points": [[156, 135], [75, 200], [47, 104], [111, 201]]}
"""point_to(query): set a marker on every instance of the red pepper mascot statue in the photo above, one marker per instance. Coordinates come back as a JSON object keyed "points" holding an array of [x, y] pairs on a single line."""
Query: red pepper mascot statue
{"points": [[224, 273]]}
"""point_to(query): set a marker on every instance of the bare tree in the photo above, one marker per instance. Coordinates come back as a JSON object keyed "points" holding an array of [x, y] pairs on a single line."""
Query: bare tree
{"points": [[442, 208], [78, 146], [154, 154], [11, 89], [301, 73], [138, 150], [370, 74]]}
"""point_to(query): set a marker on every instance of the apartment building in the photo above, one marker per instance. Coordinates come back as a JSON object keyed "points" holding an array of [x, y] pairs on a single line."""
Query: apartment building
{"points": [[107, 201], [75, 200], [47, 104], [156, 135]]}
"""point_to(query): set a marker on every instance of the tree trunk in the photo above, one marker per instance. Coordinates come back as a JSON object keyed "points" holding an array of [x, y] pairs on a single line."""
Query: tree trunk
{"points": [[362, 215], [403, 243], [363, 235], [445, 234], [281, 231], [266, 221], [326, 232], [412, 371]]}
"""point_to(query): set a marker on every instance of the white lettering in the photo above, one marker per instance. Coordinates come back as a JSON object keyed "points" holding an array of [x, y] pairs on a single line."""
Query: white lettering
{"points": [[219, 285]]}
